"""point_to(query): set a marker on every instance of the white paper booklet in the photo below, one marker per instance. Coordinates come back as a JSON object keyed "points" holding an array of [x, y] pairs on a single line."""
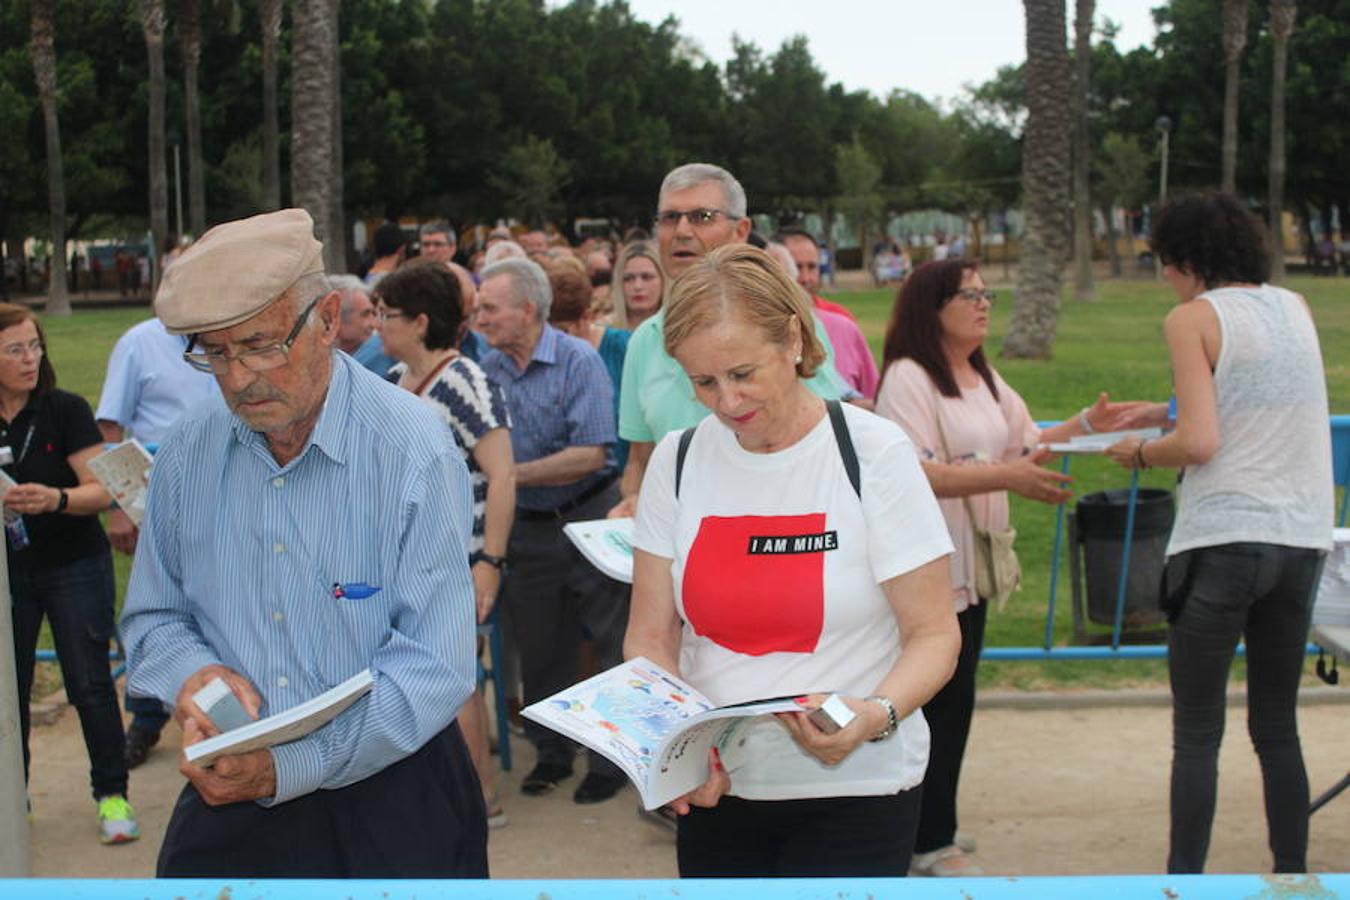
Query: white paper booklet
{"points": [[607, 544], [125, 472], [1097, 443], [654, 726], [283, 727], [1332, 602]]}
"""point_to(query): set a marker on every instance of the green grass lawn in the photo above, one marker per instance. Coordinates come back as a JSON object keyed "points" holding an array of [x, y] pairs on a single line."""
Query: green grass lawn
{"points": [[1114, 344]]}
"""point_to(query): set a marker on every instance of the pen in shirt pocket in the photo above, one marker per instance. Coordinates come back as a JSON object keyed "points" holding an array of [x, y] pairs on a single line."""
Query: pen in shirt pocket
{"points": [[354, 590]]}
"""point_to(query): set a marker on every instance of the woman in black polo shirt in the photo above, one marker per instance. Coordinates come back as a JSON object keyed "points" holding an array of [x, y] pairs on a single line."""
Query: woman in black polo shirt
{"points": [[59, 563]]}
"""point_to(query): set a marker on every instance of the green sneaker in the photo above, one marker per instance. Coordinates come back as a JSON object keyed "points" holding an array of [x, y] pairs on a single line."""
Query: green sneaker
{"points": [[116, 820]]}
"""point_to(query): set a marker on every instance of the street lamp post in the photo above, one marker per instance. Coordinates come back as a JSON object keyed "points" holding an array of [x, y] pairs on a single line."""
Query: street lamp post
{"points": [[1164, 128]]}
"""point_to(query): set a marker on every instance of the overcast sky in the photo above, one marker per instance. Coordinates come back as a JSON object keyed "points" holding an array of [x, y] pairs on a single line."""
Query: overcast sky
{"points": [[931, 47]]}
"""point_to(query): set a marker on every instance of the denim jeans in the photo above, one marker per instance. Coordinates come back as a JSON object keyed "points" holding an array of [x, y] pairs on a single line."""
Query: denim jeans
{"points": [[1263, 593], [77, 599]]}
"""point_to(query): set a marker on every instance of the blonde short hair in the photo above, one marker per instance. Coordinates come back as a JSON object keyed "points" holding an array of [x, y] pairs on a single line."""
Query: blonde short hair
{"points": [[740, 280]]}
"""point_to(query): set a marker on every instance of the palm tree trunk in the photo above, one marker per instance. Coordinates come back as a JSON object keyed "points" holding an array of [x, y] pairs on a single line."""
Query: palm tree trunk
{"points": [[1282, 16], [335, 249], [152, 25], [190, 34], [312, 45], [1083, 287], [1234, 40], [270, 13], [1045, 184], [44, 72]]}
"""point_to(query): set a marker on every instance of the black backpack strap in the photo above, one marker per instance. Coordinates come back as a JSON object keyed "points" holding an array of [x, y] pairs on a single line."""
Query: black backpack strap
{"points": [[845, 442], [685, 437]]}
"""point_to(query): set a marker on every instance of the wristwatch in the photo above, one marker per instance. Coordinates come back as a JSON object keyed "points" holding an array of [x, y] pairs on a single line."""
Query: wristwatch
{"points": [[63, 501], [891, 722], [497, 562]]}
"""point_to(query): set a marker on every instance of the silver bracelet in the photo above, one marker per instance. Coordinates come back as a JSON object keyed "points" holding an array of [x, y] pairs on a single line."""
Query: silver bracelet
{"points": [[1083, 420], [891, 722]]}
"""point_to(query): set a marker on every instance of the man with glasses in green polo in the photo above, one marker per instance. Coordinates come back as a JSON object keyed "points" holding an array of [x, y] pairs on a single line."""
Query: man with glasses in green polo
{"points": [[700, 207]]}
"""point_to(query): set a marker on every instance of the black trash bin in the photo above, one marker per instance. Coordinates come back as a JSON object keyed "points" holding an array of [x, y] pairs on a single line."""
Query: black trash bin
{"points": [[1101, 532]]}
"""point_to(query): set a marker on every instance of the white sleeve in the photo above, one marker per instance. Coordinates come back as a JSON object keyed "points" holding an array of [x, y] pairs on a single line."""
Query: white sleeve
{"points": [[654, 529], [121, 386], [905, 528]]}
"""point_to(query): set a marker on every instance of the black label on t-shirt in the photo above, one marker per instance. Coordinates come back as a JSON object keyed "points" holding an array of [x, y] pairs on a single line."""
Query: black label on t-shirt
{"points": [[772, 545]]}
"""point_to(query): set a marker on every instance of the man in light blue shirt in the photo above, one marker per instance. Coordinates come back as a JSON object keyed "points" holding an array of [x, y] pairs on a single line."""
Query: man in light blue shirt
{"points": [[316, 529]]}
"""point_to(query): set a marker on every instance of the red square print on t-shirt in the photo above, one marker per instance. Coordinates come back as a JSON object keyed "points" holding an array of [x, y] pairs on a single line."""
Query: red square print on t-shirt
{"points": [[755, 584]]}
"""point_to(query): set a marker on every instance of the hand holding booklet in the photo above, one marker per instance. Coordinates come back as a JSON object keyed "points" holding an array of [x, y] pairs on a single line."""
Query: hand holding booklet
{"points": [[1097, 443], [283, 727], [652, 725]]}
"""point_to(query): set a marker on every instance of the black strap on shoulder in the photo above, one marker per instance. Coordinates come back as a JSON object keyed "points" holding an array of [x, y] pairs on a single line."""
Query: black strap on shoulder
{"points": [[845, 442], [842, 438], [681, 452]]}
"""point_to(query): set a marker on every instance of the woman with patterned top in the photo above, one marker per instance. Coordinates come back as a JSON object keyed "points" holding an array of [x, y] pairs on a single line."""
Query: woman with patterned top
{"points": [[421, 317]]}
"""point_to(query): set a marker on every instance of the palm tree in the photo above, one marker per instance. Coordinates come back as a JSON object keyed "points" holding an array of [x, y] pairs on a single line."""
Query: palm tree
{"points": [[313, 44], [1083, 287], [1045, 184], [152, 25], [270, 13], [1234, 40], [44, 71], [336, 246], [1282, 16], [190, 35]]}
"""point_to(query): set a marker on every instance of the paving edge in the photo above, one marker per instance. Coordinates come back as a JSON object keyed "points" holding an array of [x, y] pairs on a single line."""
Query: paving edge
{"points": [[1034, 700]]}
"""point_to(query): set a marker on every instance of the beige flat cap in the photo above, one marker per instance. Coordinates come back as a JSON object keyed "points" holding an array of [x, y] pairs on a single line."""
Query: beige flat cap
{"points": [[236, 269]]}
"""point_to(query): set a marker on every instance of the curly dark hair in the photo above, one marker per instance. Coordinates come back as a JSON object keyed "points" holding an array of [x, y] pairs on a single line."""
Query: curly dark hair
{"points": [[1214, 237], [916, 332], [431, 290]]}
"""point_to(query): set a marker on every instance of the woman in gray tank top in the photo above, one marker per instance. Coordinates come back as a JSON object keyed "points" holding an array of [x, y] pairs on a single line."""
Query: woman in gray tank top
{"points": [[1254, 513]]}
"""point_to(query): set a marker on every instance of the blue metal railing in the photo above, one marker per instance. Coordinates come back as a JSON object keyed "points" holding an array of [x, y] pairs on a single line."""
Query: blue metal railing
{"points": [[1108, 887]]}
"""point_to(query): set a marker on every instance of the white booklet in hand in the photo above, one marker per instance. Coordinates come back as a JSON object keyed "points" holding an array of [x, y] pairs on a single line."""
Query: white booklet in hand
{"points": [[283, 727], [1097, 443], [607, 544], [652, 725], [125, 472]]}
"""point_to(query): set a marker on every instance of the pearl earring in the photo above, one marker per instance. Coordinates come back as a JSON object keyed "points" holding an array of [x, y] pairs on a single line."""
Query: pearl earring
{"points": [[798, 360]]}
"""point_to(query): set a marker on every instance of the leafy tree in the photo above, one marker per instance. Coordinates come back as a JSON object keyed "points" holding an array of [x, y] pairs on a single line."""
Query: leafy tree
{"points": [[531, 178], [1121, 168], [859, 199]]}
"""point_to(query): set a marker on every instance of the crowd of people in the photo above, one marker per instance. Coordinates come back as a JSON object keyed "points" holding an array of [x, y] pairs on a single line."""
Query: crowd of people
{"points": [[355, 471]]}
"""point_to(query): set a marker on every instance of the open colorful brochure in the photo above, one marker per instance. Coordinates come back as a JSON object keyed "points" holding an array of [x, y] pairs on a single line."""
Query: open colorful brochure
{"points": [[652, 725], [283, 727], [125, 472], [607, 544], [1097, 443]]}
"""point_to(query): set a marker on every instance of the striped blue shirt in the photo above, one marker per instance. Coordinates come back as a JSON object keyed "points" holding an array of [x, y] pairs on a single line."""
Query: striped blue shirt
{"points": [[563, 399], [239, 557]]}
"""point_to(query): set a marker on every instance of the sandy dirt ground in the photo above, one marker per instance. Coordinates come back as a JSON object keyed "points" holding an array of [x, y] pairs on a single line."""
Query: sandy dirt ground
{"points": [[1046, 792]]}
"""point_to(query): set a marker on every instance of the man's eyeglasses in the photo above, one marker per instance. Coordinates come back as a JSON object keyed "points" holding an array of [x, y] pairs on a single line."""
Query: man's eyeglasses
{"points": [[383, 313], [698, 218], [261, 359], [972, 296], [19, 351]]}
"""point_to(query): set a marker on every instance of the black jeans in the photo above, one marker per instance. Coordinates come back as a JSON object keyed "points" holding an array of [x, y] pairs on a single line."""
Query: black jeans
{"points": [[832, 837], [551, 592], [77, 599], [421, 817], [948, 715], [1263, 593]]}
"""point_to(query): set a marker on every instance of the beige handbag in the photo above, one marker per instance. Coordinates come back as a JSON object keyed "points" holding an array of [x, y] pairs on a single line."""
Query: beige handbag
{"points": [[997, 571]]}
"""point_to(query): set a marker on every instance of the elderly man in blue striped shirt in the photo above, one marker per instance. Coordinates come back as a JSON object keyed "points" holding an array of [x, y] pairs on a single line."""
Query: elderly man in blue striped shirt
{"points": [[562, 416], [315, 529]]}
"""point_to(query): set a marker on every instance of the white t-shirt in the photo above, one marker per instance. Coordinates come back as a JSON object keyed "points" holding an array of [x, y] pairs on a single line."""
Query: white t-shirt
{"points": [[777, 567]]}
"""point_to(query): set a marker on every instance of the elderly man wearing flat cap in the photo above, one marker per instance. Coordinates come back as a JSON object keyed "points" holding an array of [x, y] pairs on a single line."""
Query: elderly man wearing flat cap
{"points": [[316, 528]]}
